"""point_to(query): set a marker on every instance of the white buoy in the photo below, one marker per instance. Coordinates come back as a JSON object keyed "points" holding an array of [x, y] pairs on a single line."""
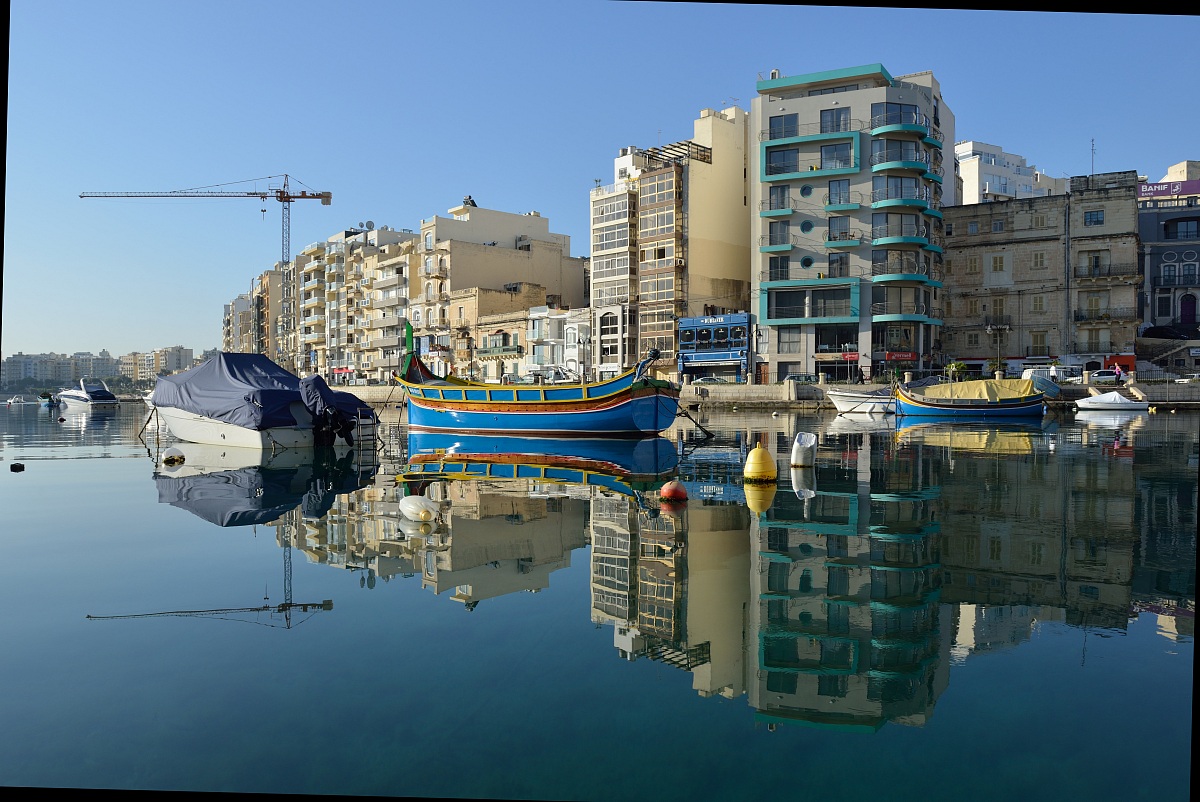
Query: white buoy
{"points": [[804, 450], [803, 482]]}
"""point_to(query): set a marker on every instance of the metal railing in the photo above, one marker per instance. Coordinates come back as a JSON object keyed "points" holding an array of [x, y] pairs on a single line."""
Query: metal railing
{"points": [[899, 230], [899, 118], [1185, 280], [768, 240], [1105, 315], [903, 193], [787, 131], [898, 308], [843, 236], [844, 198], [1105, 271], [899, 155]]}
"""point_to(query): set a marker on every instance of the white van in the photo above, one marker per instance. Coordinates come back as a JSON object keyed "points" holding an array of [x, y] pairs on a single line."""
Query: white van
{"points": [[1060, 374]]}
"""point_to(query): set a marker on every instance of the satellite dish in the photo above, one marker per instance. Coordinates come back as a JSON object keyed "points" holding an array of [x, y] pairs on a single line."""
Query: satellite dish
{"points": [[370, 225]]}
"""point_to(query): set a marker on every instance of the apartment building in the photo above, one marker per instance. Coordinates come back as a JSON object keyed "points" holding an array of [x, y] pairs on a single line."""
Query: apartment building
{"points": [[489, 331], [1169, 230], [670, 238], [989, 173], [847, 187], [238, 325], [266, 292], [1040, 279]]}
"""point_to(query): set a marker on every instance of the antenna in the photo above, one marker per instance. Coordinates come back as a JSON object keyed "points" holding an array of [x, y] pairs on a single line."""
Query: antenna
{"points": [[370, 225], [1093, 156]]}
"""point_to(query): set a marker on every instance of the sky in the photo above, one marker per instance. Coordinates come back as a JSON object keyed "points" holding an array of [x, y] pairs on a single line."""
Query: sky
{"points": [[400, 109]]}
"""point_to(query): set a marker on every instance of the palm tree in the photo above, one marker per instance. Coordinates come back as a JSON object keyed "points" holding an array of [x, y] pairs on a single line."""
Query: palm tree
{"points": [[954, 369]]}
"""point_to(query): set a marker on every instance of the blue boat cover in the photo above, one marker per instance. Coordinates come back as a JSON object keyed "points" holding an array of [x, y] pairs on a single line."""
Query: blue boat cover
{"points": [[247, 390]]}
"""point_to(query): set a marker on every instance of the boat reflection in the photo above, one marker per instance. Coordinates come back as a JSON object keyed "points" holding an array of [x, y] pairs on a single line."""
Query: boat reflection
{"points": [[246, 487], [621, 465], [995, 437]]}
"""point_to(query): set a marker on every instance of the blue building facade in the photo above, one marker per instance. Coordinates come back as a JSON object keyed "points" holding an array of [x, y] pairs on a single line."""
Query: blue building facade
{"points": [[715, 345]]}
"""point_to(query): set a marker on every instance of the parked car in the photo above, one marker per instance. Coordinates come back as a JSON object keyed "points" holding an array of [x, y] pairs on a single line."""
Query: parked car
{"points": [[1104, 376], [1191, 378], [711, 380], [802, 378]]}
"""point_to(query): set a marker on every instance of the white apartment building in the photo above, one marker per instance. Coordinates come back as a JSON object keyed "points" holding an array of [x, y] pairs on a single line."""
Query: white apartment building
{"points": [[847, 186], [989, 173]]}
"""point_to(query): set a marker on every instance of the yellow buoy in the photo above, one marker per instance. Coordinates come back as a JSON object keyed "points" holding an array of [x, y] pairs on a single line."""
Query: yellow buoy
{"points": [[760, 466]]}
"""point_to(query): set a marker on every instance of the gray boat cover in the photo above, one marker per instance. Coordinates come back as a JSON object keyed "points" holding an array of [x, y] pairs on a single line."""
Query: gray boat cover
{"points": [[247, 390]]}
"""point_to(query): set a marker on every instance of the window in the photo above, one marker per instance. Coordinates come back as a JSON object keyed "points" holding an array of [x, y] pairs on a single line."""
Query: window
{"points": [[839, 228], [789, 339], [1094, 218], [1037, 341], [1164, 306], [973, 307], [779, 232], [1039, 221], [779, 268], [781, 197], [1182, 229], [1039, 260], [949, 229], [839, 265], [783, 125], [973, 340], [997, 226], [783, 160], [836, 156], [835, 120], [997, 264], [973, 227], [839, 192], [1037, 553], [972, 264], [1039, 303]]}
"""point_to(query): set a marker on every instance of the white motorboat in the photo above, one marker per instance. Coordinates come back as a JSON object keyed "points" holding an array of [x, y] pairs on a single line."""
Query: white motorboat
{"points": [[248, 401], [88, 394], [1111, 401], [874, 402], [20, 400]]}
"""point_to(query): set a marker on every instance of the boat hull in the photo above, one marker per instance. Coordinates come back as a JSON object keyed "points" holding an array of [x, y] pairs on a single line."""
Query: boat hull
{"points": [[908, 404], [196, 428], [865, 403], [637, 411], [73, 399]]}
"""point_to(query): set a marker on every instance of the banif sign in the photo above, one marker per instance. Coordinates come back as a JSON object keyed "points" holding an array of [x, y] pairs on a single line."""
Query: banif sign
{"points": [[1168, 188]]}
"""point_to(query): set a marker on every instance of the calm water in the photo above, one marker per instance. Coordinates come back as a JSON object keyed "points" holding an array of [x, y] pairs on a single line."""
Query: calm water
{"points": [[937, 612]]}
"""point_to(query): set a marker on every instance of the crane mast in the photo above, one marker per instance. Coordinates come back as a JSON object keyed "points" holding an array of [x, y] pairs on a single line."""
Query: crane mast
{"points": [[285, 196]]}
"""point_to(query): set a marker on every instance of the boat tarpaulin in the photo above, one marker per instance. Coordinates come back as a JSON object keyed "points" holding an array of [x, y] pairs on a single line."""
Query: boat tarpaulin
{"points": [[982, 390], [247, 390]]}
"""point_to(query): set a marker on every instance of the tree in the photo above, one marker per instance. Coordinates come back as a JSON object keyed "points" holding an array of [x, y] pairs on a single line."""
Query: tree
{"points": [[954, 369]]}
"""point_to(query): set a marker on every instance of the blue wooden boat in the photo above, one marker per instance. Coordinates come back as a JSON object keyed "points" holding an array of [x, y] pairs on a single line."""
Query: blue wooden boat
{"points": [[628, 405], [983, 398], [619, 464]]}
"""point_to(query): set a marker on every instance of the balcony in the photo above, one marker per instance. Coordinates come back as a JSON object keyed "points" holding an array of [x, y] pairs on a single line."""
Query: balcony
{"points": [[844, 200], [387, 322], [1118, 271], [499, 351], [900, 121], [900, 233], [809, 129], [899, 308], [394, 341], [1091, 347], [1112, 314], [899, 160], [778, 242], [387, 282], [911, 266], [843, 239], [905, 196], [432, 271], [996, 320], [780, 207], [1186, 280]]}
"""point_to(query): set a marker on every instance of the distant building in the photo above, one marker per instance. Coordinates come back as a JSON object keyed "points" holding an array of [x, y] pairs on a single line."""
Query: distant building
{"points": [[1169, 228], [989, 173]]}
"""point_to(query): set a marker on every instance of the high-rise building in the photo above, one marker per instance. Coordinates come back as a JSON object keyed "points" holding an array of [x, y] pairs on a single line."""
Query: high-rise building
{"points": [[847, 186], [989, 173], [670, 239]]}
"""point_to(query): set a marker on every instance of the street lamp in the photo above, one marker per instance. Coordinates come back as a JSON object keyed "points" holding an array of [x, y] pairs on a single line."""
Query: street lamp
{"points": [[996, 331]]}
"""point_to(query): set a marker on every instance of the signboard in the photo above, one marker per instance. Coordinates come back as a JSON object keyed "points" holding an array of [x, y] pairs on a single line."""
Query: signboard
{"points": [[900, 356], [1168, 188]]}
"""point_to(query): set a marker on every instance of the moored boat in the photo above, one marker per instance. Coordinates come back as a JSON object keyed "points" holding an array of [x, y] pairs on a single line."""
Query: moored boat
{"points": [[20, 401], [982, 398], [88, 394], [1112, 401], [875, 402], [247, 400], [630, 404]]}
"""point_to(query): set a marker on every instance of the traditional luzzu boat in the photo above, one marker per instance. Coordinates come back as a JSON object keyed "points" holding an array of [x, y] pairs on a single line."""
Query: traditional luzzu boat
{"points": [[630, 404], [982, 398]]}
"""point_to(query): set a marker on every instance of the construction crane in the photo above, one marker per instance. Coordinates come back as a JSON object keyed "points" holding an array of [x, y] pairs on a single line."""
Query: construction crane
{"points": [[281, 193]]}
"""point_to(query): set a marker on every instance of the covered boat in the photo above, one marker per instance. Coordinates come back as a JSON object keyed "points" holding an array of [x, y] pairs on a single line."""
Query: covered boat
{"points": [[1111, 401], [630, 404], [249, 401], [988, 398]]}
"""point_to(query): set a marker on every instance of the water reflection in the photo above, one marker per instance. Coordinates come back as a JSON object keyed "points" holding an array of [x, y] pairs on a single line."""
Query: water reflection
{"points": [[839, 598]]}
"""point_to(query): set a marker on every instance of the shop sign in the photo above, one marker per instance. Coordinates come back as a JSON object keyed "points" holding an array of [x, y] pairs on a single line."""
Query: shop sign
{"points": [[900, 356]]}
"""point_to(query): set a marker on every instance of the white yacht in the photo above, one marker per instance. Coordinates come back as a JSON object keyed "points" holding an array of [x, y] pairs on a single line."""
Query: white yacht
{"points": [[88, 394]]}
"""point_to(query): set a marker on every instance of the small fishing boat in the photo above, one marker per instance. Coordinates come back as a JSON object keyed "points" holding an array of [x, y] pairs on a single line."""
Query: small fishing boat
{"points": [[247, 400], [874, 402], [630, 404], [982, 398], [1111, 401], [88, 394], [48, 401]]}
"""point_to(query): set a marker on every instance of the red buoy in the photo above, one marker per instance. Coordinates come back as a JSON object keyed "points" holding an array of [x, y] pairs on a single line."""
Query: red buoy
{"points": [[673, 491]]}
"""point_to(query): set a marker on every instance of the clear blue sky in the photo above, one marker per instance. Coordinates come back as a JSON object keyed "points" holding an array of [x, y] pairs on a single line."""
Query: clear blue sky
{"points": [[400, 109]]}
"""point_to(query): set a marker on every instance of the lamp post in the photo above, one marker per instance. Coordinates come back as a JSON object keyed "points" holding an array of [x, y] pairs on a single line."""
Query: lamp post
{"points": [[996, 331]]}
